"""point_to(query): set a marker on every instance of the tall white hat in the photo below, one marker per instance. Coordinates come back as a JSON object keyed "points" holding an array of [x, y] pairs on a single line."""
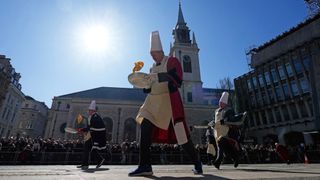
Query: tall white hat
{"points": [[155, 42], [92, 105], [224, 97]]}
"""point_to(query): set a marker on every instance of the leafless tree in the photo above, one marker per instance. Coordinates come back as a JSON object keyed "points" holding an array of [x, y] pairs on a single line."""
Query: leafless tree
{"points": [[226, 83]]}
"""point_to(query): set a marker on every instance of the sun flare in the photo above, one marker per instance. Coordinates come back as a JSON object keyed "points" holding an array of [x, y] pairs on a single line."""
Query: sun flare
{"points": [[97, 42], [95, 39]]}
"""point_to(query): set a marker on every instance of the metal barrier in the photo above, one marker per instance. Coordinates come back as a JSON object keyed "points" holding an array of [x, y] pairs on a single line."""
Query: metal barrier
{"points": [[74, 157], [34, 158]]}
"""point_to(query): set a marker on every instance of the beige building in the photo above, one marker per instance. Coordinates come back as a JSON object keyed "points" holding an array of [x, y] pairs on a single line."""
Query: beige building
{"points": [[119, 106], [282, 92], [32, 118], [5, 77], [12, 100]]}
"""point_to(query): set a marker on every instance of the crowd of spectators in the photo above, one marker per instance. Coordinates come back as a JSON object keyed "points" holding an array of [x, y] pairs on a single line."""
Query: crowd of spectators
{"points": [[15, 150]]}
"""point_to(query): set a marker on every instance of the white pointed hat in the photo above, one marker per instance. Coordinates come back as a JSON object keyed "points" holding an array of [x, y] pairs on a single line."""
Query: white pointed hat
{"points": [[92, 105], [155, 42], [224, 97]]}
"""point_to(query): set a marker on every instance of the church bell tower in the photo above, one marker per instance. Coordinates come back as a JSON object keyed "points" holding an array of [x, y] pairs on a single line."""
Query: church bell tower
{"points": [[187, 51]]}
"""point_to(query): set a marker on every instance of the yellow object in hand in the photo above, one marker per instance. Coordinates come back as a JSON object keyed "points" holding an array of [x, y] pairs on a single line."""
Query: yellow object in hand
{"points": [[137, 66], [79, 119]]}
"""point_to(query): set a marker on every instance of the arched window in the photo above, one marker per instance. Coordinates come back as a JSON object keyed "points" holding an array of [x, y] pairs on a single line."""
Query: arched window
{"points": [[129, 132], [109, 126], [187, 64]]}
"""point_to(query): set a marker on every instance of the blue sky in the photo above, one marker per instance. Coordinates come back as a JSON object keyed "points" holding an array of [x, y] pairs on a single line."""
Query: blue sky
{"points": [[46, 44]]}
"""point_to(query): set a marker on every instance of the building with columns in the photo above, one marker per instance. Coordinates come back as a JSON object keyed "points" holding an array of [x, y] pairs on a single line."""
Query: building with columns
{"points": [[119, 106], [282, 92]]}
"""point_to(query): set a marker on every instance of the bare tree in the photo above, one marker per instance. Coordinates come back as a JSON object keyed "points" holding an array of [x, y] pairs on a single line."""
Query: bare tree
{"points": [[226, 83]]}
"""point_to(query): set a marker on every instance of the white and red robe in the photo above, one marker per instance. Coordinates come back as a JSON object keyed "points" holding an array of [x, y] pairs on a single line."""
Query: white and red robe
{"points": [[163, 106]]}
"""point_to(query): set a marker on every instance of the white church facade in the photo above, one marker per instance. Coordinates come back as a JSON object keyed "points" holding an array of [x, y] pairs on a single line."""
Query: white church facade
{"points": [[119, 106]]}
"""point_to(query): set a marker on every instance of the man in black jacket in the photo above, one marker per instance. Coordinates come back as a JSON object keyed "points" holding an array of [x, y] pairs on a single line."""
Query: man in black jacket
{"points": [[94, 137]]}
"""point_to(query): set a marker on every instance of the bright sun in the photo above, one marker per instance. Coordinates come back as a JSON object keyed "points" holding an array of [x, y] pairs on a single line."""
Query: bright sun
{"points": [[95, 39]]}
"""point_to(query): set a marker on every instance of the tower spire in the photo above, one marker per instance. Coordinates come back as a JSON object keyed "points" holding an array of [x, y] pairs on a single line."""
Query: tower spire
{"points": [[181, 31], [180, 16]]}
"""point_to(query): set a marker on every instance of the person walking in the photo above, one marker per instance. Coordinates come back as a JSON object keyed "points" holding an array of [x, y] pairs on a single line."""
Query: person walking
{"points": [[94, 138], [161, 117]]}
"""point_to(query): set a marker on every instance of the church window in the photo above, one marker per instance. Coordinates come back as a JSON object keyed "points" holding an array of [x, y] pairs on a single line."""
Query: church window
{"points": [[187, 64], [189, 96], [109, 126]]}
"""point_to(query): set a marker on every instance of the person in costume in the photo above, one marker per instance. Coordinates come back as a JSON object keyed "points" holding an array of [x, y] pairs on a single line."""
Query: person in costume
{"points": [[224, 119], [161, 117], [282, 152], [94, 138]]}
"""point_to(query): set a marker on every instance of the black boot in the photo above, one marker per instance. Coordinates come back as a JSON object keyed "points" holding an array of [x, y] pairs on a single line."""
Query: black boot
{"points": [[217, 164], [193, 154], [142, 170], [197, 168]]}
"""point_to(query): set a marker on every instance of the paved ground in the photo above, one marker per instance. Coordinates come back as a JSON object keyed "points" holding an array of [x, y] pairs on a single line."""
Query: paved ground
{"points": [[178, 172]]}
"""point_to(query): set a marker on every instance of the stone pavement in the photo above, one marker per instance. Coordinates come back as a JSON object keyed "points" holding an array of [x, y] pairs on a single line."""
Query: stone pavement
{"points": [[175, 172]]}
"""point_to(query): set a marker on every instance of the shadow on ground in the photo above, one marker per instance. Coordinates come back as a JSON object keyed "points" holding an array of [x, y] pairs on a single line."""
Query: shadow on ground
{"points": [[279, 171], [196, 177], [92, 170]]}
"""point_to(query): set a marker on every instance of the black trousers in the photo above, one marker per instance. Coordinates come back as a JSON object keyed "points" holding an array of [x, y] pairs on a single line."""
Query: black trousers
{"points": [[87, 151], [146, 141], [224, 147]]}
